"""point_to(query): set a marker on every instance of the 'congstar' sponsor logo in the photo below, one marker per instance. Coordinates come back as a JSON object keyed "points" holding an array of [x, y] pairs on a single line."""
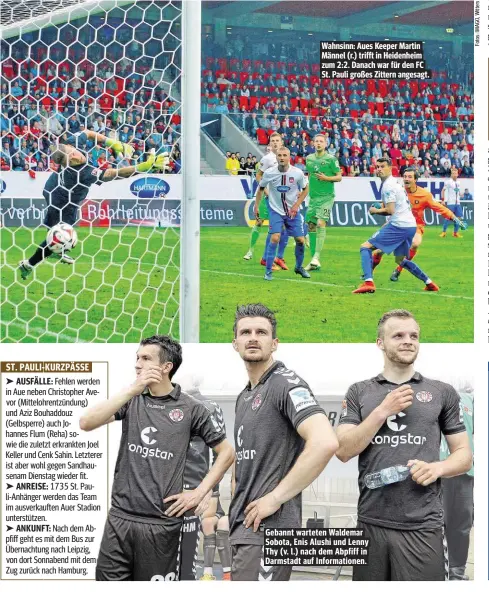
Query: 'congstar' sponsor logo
{"points": [[144, 451], [149, 187], [394, 423]]}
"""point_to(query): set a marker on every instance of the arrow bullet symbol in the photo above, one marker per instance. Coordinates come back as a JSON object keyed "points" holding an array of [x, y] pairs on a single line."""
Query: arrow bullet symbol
{"points": [[9, 381], [9, 486], [9, 527]]}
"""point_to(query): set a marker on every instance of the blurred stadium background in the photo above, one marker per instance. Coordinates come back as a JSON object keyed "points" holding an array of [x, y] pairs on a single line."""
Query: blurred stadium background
{"points": [[69, 65]]}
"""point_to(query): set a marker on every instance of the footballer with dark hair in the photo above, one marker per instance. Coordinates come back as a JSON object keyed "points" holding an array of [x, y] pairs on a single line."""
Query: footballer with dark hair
{"points": [[283, 442]]}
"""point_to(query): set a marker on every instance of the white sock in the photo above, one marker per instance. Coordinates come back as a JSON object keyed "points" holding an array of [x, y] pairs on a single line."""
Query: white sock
{"points": [[208, 571]]}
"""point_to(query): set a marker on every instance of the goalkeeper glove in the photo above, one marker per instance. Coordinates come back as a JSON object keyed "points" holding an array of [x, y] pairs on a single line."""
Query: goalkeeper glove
{"points": [[162, 162], [120, 148], [146, 166], [463, 225]]}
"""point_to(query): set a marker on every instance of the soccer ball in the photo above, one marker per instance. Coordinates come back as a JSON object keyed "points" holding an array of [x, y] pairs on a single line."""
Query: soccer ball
{"points": [[61, 238]]}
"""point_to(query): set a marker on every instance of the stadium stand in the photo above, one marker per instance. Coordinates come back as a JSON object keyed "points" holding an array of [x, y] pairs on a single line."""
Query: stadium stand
{"points": [[427, 124]]}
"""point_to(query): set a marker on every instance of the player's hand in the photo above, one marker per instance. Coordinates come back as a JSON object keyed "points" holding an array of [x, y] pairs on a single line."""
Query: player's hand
{"points": [[321, 176], [424, 473], [259, 509], [183, 502], [146, 166], [463, 225], [150, 375], [397, 400], [257, 215], [204, 504]]}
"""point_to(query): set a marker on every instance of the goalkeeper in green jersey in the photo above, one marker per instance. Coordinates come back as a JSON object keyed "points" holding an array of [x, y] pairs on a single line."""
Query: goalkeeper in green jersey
{"points": [[324, 171]]}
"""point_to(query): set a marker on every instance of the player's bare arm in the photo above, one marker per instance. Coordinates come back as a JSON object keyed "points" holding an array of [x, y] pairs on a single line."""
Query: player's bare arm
{"points": [[103, 413], [186, 500], [320, 446], [233, 479], [458, 462], [353, 439]]}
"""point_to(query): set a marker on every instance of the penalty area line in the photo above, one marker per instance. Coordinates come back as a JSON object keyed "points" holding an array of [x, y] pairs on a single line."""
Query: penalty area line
{"points": [[328, 285]]}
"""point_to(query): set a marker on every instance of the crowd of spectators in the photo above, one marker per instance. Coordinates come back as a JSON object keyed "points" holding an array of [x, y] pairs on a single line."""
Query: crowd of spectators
{"points": [[428, 125], [52, 89], [241, 165], [275, 47]]}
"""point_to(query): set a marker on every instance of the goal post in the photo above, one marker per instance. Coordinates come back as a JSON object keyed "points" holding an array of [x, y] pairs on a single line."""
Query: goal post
{"points": [[190, 228]]}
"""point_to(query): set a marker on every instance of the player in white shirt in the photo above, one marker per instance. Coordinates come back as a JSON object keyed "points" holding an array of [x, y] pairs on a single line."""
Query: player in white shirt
{"points": [[396, 235], [268, 161], [287, 187], [450, 196]]}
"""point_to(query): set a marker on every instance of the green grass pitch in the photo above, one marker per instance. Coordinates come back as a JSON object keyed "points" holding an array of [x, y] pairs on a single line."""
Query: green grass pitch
{"points": [[124, 285], [323, 309]]}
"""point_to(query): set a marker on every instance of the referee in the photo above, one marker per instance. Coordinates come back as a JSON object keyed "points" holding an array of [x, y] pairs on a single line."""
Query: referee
{"points": [[143, 529], [397, 418]]}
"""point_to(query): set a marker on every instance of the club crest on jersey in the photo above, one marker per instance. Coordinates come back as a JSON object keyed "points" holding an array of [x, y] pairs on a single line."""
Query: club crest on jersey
{"points": [[424, 397], [291, 180], [256, 402], [301, 398], [176, 415]]}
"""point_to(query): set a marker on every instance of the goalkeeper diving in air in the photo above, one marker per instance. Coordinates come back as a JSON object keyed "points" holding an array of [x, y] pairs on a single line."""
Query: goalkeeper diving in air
{"points": [[67, 189]]}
